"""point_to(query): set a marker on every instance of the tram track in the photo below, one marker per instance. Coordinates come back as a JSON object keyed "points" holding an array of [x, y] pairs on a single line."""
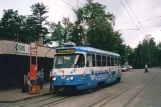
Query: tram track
{"points": [[114, 96], [119, 92], [84, 96], [55, 100], [39, 100], [133, 97], [42, 103], [54, 103]]}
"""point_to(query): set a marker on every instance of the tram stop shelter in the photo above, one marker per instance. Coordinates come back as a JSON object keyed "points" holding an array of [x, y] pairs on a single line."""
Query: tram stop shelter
{"points": [[15, 62]]}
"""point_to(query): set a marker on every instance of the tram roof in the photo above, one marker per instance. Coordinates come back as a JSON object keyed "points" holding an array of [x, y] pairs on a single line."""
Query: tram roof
{"points": [[90, 50]]}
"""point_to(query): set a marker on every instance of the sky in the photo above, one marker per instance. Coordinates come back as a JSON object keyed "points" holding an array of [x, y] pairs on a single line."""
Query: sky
{"points": [[143, 10]]}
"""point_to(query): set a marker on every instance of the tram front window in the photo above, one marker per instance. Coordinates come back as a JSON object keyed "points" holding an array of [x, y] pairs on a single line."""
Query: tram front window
{"points": [[65, 60], [69, 60]]}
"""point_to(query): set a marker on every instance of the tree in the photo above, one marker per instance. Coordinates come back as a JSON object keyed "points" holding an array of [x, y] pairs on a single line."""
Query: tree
{"points": [[159, 54], [11, 25], [77, 35], [53, 30], [36, 22], [26, 29], [98, 26], [146, 53], [67, 30]]}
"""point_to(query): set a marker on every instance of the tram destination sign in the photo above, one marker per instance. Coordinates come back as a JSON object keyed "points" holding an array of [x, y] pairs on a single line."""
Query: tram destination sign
{"points": [[65, 51]]}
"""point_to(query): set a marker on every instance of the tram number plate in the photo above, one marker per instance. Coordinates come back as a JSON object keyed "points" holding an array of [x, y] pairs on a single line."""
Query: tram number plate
{"points": [[63, 83]]}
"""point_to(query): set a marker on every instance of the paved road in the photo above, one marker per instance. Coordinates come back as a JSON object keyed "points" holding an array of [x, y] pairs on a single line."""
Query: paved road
{"points": [[137, 89]]}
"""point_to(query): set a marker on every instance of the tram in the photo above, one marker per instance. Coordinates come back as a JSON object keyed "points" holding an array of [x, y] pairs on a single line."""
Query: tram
{"points": [[84, 68]]}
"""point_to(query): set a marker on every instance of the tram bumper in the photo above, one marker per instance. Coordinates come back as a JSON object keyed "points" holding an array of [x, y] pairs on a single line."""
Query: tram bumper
{"points": [[67, 81]]}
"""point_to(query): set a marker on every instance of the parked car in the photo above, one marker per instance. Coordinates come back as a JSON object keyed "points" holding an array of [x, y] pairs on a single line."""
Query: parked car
{"points": [[130, 67], [123, 68]]}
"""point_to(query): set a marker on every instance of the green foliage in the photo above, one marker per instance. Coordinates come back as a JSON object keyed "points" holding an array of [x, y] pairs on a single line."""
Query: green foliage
{"points": [[38, 19], [12, 25], [24, 28], [159, 53], [77, 35], [146, 53], [93, 25], [67, 30], [98, 27]]}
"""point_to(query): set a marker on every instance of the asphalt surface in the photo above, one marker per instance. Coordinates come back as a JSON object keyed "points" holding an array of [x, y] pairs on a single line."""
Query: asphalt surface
{"points": [[136, 89]]}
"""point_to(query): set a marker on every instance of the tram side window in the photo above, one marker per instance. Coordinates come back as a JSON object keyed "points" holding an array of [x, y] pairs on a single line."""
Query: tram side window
{"points": [[112, 61], [89, 60], [108, 61], [116, 61], [81, 61], [103, 60], [93, 60], [98, 57]]}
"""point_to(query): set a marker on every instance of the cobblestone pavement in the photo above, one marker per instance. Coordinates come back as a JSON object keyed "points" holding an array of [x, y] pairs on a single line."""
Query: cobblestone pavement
{"points": [[137, 89]]}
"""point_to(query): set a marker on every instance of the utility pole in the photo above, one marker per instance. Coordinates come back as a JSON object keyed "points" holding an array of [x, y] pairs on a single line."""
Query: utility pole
{"points": [[59, 34], [82, 34], [148, 37], [148, 52]]}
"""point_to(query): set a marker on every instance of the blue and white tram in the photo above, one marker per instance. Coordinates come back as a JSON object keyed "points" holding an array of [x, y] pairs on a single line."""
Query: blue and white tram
{"points": [[84, 68]]}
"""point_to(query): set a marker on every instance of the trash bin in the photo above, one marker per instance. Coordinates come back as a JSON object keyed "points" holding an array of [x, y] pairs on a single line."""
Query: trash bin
{"points": [[35, 90]]}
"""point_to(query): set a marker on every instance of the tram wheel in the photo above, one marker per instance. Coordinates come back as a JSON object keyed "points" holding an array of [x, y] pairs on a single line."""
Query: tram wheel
{"points": [[56, 90], [89, 90], [118, 79]]}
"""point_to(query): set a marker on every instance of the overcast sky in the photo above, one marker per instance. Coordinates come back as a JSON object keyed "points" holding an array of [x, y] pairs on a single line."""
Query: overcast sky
{"points": [[143, 9]]}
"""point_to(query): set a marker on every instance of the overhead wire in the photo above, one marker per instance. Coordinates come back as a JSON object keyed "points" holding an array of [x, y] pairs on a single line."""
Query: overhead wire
{"points": [[152, 26], [148, 19], [144, 27], [152, 18], [145, 20], [72, 7], [134, 13], [130, 16], [127, 29], [79, 2], [68, 4]]}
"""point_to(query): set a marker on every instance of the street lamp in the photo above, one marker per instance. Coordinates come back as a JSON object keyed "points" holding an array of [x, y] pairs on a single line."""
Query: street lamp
{"points": [[148, 37], [133, 62]]}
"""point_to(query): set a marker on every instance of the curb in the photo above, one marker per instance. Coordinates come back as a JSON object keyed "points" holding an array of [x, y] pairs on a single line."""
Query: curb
{"points": [[36, 96]]}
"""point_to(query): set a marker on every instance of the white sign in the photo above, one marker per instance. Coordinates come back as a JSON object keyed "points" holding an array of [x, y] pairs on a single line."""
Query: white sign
{"points": [[33, 45], [22, 48]]}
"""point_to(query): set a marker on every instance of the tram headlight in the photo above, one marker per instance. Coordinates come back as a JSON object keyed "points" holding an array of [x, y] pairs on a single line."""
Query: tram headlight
{"points": [[54, 79], [71, 78]]}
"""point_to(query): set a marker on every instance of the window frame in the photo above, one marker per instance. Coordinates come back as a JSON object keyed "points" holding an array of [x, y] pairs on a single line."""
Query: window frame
{"points": [[99, 59], [93, 64]]}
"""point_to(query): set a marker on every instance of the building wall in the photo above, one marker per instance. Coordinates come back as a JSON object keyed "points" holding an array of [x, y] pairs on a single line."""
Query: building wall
{"points": [[2, 47], [14, 67], [9, 47], [15, 62]]}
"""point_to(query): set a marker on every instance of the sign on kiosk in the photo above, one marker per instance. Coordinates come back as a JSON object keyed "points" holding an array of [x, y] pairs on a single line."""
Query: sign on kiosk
{"points": [[33, 45], [22, 48]]}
